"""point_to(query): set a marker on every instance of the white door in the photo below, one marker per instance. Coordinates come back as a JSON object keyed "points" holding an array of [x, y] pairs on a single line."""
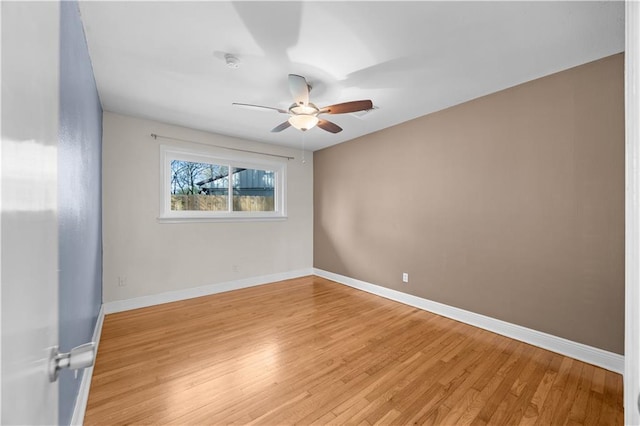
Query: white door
{"points": [[632, 276], [28, 227]]}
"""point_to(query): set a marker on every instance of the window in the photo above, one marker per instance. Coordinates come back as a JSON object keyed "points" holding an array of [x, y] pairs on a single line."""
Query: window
{"points": [[201, 185]]}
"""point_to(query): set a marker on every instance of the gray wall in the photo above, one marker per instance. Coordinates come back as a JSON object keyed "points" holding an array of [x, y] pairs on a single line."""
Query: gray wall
{"points": [[79, 198], [511, 205]]}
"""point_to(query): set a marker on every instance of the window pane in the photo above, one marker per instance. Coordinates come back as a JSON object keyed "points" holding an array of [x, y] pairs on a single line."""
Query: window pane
{"points": [[253, 190], [199, 186]]}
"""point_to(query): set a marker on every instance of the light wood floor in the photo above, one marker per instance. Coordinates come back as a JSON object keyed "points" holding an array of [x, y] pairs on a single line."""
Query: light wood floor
{"points": [[310, 351]]}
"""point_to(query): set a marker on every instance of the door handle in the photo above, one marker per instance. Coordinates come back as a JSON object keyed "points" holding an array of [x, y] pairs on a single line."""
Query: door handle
{"points": [[82, 356]]}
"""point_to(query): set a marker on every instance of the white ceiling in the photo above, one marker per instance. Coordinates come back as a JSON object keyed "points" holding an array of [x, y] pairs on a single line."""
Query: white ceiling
{"points": [[165, 60]]}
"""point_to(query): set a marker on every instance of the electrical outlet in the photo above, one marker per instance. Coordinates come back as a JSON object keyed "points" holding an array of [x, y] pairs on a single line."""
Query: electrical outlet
{"points": [[122, 281], [405, 277]]}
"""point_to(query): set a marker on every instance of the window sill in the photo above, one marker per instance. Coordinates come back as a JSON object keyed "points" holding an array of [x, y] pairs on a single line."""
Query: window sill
{"points": [[221, 219]]}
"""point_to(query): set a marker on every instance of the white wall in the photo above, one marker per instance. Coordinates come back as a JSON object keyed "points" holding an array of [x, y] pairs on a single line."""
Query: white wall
{"points": [[157, 257]]}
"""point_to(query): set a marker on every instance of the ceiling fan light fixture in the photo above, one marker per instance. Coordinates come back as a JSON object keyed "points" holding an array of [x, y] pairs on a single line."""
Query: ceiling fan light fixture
{"points": [[303, 121], [303, 115]]}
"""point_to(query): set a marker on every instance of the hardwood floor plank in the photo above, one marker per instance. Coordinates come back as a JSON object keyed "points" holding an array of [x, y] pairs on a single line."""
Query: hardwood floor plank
{"points": [[552, 401], [568, 396], [492, 357], [534, 408], [579, 408], [485, 403], [611, 400], [526, 386], [311, 351], [426, 387], [355, 405]]}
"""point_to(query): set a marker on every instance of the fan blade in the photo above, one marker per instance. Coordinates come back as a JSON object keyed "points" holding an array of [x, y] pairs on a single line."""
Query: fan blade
{"points": [[346, 107], [329, 126], [259, 107], [280, 127], [299, 89]]}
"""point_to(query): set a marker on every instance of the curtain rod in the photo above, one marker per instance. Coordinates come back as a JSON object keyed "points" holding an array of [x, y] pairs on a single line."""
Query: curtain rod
{"points": [[155, 136]]}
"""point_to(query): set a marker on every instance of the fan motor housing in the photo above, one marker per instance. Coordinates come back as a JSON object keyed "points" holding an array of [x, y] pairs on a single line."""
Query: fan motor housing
{"points": [[308, 109]]}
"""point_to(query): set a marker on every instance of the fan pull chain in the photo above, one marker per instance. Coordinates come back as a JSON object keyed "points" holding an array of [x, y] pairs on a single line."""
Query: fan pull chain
{"points": [[304, 137]]}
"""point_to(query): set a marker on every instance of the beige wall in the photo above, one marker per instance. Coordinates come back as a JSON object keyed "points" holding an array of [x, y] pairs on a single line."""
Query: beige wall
{"points": [[511, 205], [159, 257]]}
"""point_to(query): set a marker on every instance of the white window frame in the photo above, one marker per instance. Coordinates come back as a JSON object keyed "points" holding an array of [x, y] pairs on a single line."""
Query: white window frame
{"points": [[212, 156]]}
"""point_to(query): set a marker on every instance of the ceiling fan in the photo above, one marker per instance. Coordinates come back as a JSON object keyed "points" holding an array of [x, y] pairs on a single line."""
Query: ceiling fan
{"points": [[304, 114]]}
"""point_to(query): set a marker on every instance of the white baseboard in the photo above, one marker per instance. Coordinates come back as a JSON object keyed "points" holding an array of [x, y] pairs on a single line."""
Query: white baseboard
{"points": [[83, 393], [190, 293], [582, 352]]}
